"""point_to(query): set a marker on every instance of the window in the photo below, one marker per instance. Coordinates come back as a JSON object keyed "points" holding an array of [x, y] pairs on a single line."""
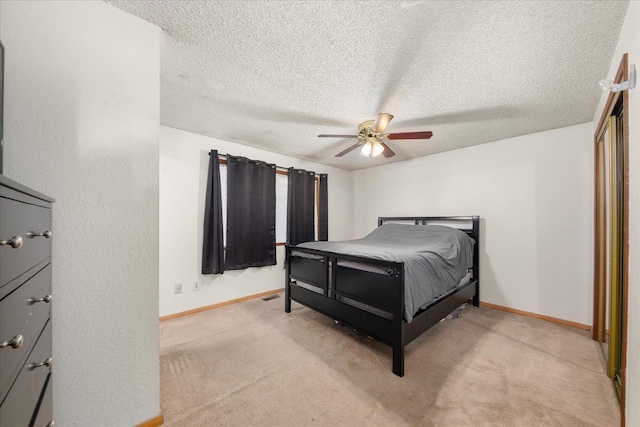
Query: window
{"points": [[282, 181]]}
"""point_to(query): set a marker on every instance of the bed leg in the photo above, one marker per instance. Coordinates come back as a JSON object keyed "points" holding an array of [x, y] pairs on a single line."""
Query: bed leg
{"points": [[287, 282], [287, 299], [398, 359], [476, 298], [397, 340]]}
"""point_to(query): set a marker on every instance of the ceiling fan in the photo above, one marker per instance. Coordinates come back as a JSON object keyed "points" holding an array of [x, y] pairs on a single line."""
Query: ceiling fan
{"points": [[371, 137]]}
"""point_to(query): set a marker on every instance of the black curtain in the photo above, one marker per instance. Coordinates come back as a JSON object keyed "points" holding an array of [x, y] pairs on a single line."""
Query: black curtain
{"points": [[212, 243], [251, 214], [323, 209], [300, 206]]}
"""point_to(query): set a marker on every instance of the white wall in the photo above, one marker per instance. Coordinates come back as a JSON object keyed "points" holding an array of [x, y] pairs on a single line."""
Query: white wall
{"points": [[184, 162], [533, 194], [81, 116], [629, 42]]}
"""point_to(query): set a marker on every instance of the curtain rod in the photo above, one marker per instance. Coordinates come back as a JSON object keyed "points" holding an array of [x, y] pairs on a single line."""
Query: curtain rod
{"points": [[277, 167], [226, 156]]}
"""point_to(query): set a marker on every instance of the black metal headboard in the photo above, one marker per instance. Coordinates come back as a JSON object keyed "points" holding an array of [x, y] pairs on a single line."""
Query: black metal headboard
{"points": [[468, 224]]}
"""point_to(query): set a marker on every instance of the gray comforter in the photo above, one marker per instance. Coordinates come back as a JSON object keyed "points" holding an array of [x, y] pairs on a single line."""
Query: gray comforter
{"points": [[435, 257]]}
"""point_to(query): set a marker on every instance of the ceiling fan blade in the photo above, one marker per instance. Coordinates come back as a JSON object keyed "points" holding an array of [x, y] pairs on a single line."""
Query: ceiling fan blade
{"points": [[382, 121], [353, 147], [388, 152], [410, 135], [337, 136]]}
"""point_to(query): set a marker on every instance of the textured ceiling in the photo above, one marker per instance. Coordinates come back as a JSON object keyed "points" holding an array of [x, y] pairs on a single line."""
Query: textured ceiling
{"points": [[275, 74]]}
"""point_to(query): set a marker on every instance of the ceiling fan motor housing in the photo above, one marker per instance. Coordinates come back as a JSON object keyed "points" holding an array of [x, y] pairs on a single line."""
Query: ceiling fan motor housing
{"points": [[366, 131]]}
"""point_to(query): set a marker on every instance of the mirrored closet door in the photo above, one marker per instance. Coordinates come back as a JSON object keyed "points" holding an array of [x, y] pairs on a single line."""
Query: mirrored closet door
{"points": [[610, 238]]}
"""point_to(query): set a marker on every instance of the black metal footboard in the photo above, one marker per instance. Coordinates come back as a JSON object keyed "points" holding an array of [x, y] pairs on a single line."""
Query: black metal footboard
{"points": [[368, 294], [363, 293]]}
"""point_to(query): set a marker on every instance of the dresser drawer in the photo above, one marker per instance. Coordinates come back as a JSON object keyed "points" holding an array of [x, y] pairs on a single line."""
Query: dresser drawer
{"points": [[22, 404], [20, 316], [44, 417], [18, 219]]}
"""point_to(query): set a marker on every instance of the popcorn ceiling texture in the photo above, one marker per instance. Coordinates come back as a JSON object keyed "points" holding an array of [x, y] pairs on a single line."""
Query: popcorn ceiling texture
{"points": [[276, 74], [82, 122]]}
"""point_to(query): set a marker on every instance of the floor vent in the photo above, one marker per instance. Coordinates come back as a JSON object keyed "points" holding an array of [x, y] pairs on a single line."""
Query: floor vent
{"points": [[271, 297]]}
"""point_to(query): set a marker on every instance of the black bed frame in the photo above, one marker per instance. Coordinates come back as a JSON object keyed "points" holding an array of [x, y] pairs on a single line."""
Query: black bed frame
{"points": [[326, 285]]}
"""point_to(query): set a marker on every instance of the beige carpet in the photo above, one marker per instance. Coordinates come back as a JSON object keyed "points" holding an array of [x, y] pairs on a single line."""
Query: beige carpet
{"points": [[251, 364]]}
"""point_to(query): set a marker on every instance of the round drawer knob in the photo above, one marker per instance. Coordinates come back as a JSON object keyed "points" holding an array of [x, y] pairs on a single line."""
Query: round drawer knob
{"points": [[46, 299], [15, 242], [48, 362], [15, 342], [46, 234]]}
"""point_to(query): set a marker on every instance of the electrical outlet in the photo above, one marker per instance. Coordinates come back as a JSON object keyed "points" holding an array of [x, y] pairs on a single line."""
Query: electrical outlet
{"points": [[177, 289], [196, 286]]}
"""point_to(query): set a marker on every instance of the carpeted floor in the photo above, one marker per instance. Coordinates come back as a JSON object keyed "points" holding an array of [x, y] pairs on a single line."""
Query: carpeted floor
{"points": [[251, 364]]}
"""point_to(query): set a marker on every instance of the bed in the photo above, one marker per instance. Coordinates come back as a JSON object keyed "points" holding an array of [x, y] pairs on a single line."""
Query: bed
{"points": [[389, 290]]}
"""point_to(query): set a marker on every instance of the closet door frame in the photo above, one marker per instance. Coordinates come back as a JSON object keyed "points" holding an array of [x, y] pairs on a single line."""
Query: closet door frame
{"points": [[599, 324]]}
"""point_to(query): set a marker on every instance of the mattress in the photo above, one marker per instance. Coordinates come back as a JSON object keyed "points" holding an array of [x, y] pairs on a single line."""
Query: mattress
{"points": [[436, 258]]}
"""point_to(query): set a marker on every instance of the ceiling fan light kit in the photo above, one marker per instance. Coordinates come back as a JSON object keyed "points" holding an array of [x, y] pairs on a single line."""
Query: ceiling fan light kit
{"points": [[370, 146], [371, 137], [371, 149]]}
